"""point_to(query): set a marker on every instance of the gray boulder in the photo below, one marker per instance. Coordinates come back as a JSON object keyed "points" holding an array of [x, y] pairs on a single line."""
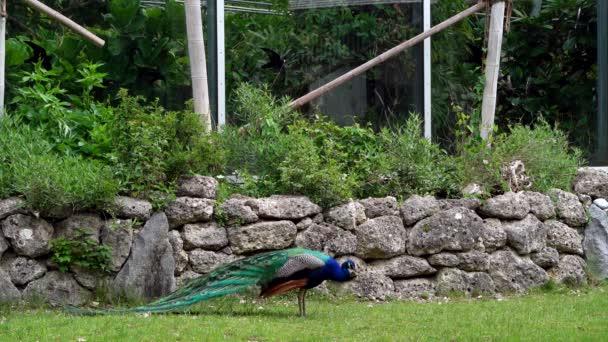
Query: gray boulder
{"points": [[346, 216], [470, 284], [284, 207], [570, 270], [514, 274], [563, 238], [23, 270], [8, 291], [204, 235], [189, 210], [371, 285], [469, 203], [493, 236], [546, 257], [58, 288], [415, 208], [118, 235], [327, 238], [149, 270], [444, 259], [4, 245], [601, 203], [185, 277], [198, 186], [262, 236], [375, 207], [179, 255], [511, 205], [527, 235], [90, 223], [89, 279], [474, 261], [404, 266], [540, 205], [586, 200], [595, 243], [568, 207], [29, 236], [591, 182], [457, 229], [132, 208], [12, 206], [419, 288], [205, 261], [381, 238], [304, 223], [236, 212]]}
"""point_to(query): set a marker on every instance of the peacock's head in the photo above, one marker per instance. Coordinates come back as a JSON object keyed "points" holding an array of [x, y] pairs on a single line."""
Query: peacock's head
{"points": [[350, 268]]}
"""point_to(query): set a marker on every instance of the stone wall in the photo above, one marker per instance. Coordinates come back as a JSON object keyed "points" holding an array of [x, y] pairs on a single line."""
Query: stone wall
{"points": [[419, 249]]}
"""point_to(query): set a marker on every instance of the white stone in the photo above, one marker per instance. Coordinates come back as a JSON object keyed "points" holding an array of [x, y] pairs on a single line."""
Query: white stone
{"points": [[601, 203]]}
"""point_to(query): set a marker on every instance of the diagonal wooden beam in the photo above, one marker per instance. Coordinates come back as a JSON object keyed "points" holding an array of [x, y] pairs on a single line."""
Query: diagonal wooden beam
{"points": [[86, 34], [386, 55]]}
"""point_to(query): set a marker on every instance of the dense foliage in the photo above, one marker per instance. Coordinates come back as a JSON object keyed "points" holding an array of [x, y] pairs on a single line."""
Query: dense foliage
{"points": [[68, 116], [548, 64]]}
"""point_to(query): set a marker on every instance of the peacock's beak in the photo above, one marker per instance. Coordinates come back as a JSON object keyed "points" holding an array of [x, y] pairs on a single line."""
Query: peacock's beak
{"points": [[352, 273]]}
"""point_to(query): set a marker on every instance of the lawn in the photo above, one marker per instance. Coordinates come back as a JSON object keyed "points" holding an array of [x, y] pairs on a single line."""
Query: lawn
{"points": [[561, 315]]}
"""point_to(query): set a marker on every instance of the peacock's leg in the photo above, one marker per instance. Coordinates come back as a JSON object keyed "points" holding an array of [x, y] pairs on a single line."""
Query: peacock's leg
{"points": [[302, 302]]}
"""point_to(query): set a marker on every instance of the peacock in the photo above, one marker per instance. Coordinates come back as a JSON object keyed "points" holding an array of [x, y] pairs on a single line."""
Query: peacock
{"points": [[274, 272]]}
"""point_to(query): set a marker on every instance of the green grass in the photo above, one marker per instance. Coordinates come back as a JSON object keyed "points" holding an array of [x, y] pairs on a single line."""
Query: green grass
{"points": [[561, 315]]}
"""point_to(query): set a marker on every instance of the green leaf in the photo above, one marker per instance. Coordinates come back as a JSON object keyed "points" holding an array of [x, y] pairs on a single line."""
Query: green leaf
{"points": [[123, 11], [17, 52]]}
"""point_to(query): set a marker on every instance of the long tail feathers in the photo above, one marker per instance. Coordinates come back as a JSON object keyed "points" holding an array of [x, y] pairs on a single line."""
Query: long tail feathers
{"points": [[231, 278]]}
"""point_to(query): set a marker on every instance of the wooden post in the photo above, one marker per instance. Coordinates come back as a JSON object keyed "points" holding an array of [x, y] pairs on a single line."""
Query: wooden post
{"points": [[198, 63], [2, 53], [386, 55], [66, 21], [488, 107]]}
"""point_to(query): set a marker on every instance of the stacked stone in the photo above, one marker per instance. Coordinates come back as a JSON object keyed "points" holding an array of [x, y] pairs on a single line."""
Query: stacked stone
{"points": [[423, 248], [141, 258]]}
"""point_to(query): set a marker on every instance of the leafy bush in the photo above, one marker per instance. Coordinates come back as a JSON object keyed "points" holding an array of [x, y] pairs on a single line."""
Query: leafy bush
{"points": [[327, 162], [305, 172], [29, 167], [80, 251], [545, 152], [152, 147], [412, 164]]}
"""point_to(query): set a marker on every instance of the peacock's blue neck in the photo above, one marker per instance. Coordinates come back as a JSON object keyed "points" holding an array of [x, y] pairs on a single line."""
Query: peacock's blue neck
{"points": [[331, 271]]}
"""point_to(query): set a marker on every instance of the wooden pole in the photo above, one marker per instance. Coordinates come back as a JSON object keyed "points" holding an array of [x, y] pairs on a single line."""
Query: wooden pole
{"points": [[386, 55], [66, 21], [198, 63], [488, 107], [2, 53]]}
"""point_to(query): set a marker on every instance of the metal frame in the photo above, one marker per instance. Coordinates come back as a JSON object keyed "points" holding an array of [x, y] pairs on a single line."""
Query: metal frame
{"points": [[426, 25], [601, 155]]}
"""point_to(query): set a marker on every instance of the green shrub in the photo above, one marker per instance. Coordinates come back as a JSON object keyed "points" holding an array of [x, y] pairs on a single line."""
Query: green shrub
{"points": [[80, 251], [406, 163], [305, 172], [152, 147], [46, 180], [545, 152]]}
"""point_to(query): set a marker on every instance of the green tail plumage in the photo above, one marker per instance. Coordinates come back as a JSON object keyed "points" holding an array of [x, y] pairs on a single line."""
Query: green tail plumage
{"points": [[230, 278]]}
